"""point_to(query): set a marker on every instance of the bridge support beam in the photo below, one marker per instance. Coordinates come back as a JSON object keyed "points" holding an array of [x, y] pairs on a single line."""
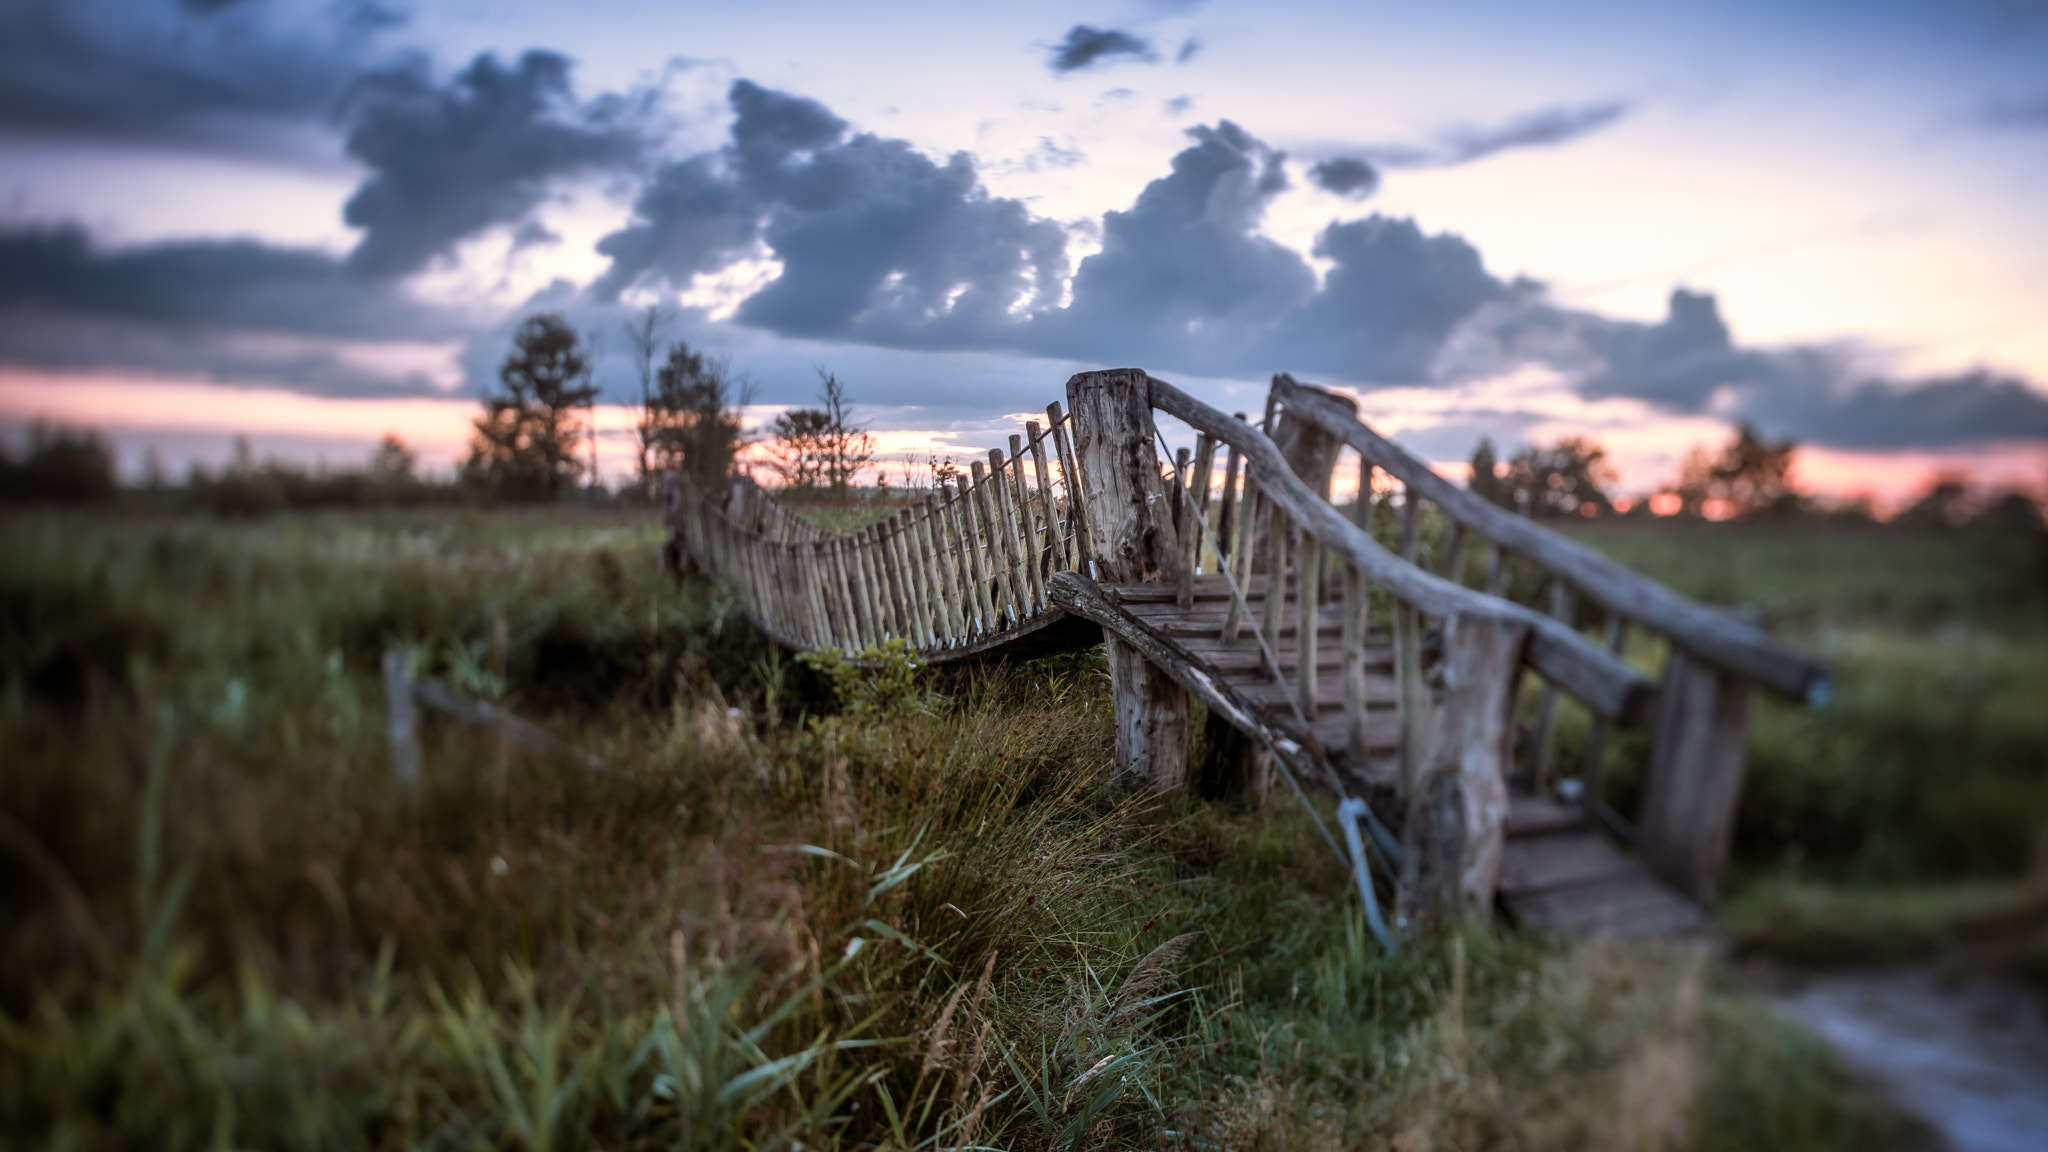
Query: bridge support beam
{"points": [[1130, 528], [1695, 776], [1458, 803]]}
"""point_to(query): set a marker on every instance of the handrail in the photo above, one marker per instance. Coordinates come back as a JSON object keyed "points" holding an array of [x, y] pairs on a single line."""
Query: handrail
{"points": [[1717, 636], [1606, 684]]}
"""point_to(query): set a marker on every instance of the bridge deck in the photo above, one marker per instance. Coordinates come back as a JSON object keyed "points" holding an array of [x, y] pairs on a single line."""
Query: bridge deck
{"points": [[1559, 870]]}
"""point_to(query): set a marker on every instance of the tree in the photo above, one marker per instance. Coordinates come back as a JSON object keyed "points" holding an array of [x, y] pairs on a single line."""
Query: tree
{"points": [[691, 420], [1486, 482], [62, 465], [822, 446], [526, 440], [1750, 478], [393, 460], [1566, 479], [643, 334]]}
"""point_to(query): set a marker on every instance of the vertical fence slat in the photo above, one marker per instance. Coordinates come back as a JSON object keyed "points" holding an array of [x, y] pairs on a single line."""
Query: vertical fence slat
{"points": [[1077, 507], [1309, 578], [1027, 529], [1054, 554], [970, 556]]}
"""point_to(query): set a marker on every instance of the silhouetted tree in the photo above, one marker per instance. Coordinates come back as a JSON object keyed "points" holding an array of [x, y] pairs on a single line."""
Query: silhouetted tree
{"points": [[526, 440], [61, 465], [1566, 479], [1749, 478], [1486, 482], [691, 421], [822, 446]]}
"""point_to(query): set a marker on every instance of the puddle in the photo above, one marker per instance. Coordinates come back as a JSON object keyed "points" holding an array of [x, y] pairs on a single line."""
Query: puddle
{"points": [[1969, 1057]]}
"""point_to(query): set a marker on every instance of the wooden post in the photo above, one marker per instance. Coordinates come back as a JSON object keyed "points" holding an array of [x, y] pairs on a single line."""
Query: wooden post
{"points": [[1226, 519], [1184, 527], [1130, 531], [1309, 585], [1695, 776], [404, 721], [1458, 806], [1594, 782], [1546, 701]]}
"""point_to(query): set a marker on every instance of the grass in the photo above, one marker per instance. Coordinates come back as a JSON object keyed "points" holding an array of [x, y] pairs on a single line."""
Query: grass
{"points": [[929, 922]]}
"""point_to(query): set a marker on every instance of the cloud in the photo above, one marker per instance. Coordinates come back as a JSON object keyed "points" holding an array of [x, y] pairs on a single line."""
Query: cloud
{"points": [[1188, 48], [1184, 273], [450, 161], [1543, 128], [877, 242], [1346, 176], [196, 75], [1085, 46], [1689, 363], [229, 309]]}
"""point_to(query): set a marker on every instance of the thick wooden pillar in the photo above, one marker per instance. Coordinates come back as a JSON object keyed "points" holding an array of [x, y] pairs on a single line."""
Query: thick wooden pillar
{"points": [[1458, 806], [1695, 774], [1130, 530]]}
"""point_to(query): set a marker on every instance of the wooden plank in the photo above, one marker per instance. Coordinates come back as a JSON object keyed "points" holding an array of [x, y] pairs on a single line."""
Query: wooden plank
{"points": [[1560, 860], [963, 521], [1225, 518], [1077, 506], [1008, 604], [1054, 550], [1695, 776], [1017, 503], [1630, 905], [1537, 815]]}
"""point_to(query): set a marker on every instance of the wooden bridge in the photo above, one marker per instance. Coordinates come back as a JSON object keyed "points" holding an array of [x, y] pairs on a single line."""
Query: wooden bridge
{"points": [[1386, 674]]}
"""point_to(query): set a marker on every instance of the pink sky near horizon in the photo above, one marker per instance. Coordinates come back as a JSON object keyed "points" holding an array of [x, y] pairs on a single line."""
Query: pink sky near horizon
{"points": [[198, 421]]}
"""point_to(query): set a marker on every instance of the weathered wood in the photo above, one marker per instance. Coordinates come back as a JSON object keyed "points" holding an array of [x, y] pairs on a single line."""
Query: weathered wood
{"points": [[401, 722], [1356, 606], [1027, 529], [1184, 526], [1233, 767], [1593, 777], [442, 698], [964, 523], [1605, 684], [1280, 534], [1008, 604], [1310, 587], [944, 574], [1226, 517], [1077, 507], [1131, 538], [1720, 638], [1695, 775], [1458, 806], [912, 575], [1546, 701], [1241, 554], [1054, 554]]}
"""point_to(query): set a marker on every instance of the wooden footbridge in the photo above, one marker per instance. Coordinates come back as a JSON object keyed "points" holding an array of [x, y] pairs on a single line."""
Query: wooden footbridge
{"points": [[1390, 675]]}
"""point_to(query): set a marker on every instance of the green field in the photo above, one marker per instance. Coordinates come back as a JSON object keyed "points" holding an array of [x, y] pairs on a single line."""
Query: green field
{"points": [[774, 921]]}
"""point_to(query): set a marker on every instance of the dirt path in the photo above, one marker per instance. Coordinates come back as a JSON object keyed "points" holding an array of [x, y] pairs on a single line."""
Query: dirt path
{"points": [[1970, 1056]]}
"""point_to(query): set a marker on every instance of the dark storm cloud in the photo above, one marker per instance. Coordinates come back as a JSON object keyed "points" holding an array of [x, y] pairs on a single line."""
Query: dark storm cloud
{"points": [[1185, 267], [107, 70], [1085, 46], [213, 308], [449, 161], [1690, 363], [878, 243], [1346, 176], [237, 284], [1546, 127]]}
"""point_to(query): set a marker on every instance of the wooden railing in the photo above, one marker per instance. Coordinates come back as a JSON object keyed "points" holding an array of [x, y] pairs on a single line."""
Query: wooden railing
{"points": [[961, 569], [1701, 716]]}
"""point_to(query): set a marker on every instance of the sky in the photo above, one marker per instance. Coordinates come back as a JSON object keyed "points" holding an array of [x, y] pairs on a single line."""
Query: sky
{"points": [[312, 222]]}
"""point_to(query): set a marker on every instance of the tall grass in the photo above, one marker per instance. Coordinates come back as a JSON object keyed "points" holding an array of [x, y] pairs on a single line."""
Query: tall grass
{"points": [[931, 922]]}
